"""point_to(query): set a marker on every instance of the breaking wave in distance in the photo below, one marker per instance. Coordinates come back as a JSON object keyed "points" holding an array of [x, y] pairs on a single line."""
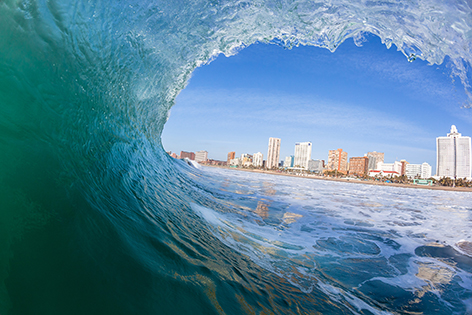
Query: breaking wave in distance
{"points": [[95, 218]]}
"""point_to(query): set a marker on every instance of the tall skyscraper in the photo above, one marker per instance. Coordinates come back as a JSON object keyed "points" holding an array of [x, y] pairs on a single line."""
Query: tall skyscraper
{"points": [[273, 153], [454, 157], [257, 159], [302, 154], [231, 155], [374, 158], [337, 160]]}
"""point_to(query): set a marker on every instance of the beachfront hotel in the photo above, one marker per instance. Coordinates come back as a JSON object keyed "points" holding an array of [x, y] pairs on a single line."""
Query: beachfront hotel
{"points": [[273, 153], [359, 166], [337, 160], [302, 154], [418, 170], [454, 157]]}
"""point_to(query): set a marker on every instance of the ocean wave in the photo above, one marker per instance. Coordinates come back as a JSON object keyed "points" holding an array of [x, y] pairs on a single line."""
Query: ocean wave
{"points": [[95, 217]]}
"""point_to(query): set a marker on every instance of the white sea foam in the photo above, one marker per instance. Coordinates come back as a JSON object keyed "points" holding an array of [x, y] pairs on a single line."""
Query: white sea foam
{"points": [[353, 233]]}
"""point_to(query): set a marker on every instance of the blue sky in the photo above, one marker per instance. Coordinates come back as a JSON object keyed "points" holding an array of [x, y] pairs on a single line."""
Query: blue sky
{"points": [[360, 99]]}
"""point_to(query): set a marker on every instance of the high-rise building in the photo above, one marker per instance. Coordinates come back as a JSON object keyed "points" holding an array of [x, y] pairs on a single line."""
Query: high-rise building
{"points": [[273, 153], [374, 158], [188, 155], [201, 156], [454, 157], [231, 155], [302, 154], [257, 159], [359, 166], [337, 161]]}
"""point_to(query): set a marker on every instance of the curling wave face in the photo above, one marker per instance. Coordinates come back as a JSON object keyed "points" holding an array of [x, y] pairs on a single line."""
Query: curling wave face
{"points": [[94, 216]]}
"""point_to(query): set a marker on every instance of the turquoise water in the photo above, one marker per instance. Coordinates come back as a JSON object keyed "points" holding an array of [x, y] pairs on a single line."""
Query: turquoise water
{"points": [[95, 218]]}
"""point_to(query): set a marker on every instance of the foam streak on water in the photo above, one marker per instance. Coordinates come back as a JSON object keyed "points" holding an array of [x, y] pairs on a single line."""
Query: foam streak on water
{"points": [[354, 242]]}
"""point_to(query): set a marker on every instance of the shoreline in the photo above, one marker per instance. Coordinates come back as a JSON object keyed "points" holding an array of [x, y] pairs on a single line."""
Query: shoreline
{"points": [[344, 180]]}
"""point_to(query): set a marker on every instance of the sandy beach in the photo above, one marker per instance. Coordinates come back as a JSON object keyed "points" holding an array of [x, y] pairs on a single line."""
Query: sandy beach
{"points": [[354, 181]]}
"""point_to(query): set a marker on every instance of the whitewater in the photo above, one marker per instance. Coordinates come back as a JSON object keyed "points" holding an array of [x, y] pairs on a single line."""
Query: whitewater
{"points": [[95, 217]]}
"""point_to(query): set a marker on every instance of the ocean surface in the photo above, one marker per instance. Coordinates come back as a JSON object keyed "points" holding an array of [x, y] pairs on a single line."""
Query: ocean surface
{"points": [[95, 217]]}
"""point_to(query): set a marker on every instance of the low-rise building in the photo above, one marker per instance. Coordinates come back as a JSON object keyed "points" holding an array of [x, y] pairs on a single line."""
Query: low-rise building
{"points": [[358, 166], [201, 156], [214, 162], [413, 171], [418, 171], [236, 162], [316, 166], [394, 167], [246, 159], [289, 160], [380, 173], [188, 155]]}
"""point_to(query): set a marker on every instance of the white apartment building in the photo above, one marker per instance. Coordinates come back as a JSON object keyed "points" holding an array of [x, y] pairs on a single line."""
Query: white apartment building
{"points": [[418, 170], [454, 158], [426, 170], [257, 159], [302, 154], [201, 156], [413, 170], [273, 153], [390, 167]]}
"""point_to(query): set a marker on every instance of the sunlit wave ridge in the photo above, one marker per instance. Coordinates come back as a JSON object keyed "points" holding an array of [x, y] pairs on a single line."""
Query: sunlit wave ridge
{"points": [[87, 192]]}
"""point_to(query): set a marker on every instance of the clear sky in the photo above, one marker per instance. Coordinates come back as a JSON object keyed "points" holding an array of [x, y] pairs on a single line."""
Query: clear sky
{"points": [[360, 99]]}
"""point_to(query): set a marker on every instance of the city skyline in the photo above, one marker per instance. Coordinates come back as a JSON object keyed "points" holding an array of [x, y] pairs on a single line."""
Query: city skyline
{"points": [[339, 161], [348, 99]]}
